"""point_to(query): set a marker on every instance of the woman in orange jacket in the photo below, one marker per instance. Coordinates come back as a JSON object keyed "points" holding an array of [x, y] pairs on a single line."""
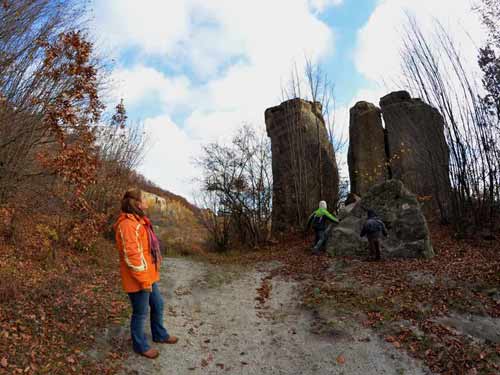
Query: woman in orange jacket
{"points": [[140, 260]]}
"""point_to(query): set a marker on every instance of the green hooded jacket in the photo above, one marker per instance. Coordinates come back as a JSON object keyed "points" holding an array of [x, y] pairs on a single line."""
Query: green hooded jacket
{"points": [[320, 212]]}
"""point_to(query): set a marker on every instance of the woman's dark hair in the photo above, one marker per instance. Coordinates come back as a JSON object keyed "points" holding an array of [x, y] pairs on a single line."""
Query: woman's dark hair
{"points": [[130, 202]]}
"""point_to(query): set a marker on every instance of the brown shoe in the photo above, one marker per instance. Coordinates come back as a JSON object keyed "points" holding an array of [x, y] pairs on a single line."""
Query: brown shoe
{"points": [[170, 340], [151, 353]]}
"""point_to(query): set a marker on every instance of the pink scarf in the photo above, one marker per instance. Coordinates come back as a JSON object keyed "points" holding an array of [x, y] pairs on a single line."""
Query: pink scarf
{"points": [[154, 243]]}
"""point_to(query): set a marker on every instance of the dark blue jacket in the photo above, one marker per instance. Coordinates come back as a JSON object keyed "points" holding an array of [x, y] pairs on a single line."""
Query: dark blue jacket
{"points": [[373, 227]]}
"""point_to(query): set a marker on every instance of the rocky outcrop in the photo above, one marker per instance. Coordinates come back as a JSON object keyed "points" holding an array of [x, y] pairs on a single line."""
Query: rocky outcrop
{"points": [[303, 162], [348, 205], [408, 234], [367, 155], [155, 203], [173, 217], [417, 147], [411, 148]]}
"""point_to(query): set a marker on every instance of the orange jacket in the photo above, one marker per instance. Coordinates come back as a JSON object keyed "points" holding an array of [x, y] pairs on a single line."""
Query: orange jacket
{"points": [[136, 264]]}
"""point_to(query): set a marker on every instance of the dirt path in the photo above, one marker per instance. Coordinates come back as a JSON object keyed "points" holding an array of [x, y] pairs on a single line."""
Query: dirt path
{"points": [[213, 311]]}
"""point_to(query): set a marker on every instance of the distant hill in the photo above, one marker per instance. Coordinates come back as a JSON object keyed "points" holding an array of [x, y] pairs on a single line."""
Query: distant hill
{"points": [[176, 220]]}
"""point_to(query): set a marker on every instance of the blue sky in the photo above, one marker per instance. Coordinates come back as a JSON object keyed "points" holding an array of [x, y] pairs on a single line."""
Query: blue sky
{"points": [[193, 71], [346, 20]]}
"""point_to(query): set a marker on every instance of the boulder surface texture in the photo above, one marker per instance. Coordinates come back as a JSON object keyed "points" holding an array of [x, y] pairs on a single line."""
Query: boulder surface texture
{"points": [[367, 155], [399, 209], [417, 147]]}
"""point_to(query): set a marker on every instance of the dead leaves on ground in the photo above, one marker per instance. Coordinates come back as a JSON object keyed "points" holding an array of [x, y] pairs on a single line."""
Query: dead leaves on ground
{"points": [[264, 290], [463, 274], [50, 325]]}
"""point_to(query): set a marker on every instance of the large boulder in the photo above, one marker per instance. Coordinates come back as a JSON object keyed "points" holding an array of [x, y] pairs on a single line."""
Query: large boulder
{"points": [[419, 154], [303, 162], [408, 234], [366, 156]]}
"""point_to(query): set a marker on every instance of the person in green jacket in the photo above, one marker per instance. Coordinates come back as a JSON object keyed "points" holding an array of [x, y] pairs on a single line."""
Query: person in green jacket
{"points": [[321, 221]]}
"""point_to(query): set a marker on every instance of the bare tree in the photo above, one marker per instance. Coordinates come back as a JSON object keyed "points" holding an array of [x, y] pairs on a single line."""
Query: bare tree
{"points": [[434, 69], [215, 219], [121, 149], [310, 82], [237, 185], [490, 14]]}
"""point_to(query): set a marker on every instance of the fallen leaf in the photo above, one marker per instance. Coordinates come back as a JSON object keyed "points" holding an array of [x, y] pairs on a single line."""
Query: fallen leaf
{"points": [[341, 359]]}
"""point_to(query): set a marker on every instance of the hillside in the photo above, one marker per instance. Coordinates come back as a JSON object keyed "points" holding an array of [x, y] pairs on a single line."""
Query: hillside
{"points": [[176, 221]]}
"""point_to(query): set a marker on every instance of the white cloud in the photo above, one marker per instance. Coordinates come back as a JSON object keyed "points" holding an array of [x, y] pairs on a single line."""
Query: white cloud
{"points": [[155, 26], [169, 159], [141, 83], [321, 5], [377, 53], [380, 40], [238, 50]]}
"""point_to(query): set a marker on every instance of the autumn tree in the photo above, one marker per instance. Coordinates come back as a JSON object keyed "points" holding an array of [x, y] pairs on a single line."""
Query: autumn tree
{"points": [[50, 116]]}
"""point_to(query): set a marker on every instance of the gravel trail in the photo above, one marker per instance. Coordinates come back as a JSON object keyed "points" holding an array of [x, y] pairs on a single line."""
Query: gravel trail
{"points": [[224, 330]]}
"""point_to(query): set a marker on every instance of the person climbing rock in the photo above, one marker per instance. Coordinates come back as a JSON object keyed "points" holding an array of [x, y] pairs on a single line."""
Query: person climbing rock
{"points": [[140, 260], [321, 221], [373, 229]]}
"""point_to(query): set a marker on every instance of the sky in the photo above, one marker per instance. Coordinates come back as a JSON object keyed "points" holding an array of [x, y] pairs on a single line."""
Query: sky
{"points": [[193, 71]]}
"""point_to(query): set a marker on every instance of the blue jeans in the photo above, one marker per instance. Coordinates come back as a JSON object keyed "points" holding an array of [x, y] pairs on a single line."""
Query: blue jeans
{"points": [[320, 238], [140, 301]]}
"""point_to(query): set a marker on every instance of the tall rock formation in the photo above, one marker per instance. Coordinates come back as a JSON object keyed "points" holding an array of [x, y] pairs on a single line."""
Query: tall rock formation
{"points": [[412, 148], [303, 161], [417, 147], [367, 155]]}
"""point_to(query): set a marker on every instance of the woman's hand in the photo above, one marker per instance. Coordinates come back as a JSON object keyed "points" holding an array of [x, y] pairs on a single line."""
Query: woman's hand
{"points": [[148, 290]]}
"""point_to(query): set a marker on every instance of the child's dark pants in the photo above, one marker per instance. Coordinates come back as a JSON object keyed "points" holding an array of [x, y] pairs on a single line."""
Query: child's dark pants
{"points": [[374, 247]]}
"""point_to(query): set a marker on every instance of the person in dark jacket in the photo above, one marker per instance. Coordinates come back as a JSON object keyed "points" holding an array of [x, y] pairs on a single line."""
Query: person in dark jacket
{"points": [[373, 229], [321, 221]]}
